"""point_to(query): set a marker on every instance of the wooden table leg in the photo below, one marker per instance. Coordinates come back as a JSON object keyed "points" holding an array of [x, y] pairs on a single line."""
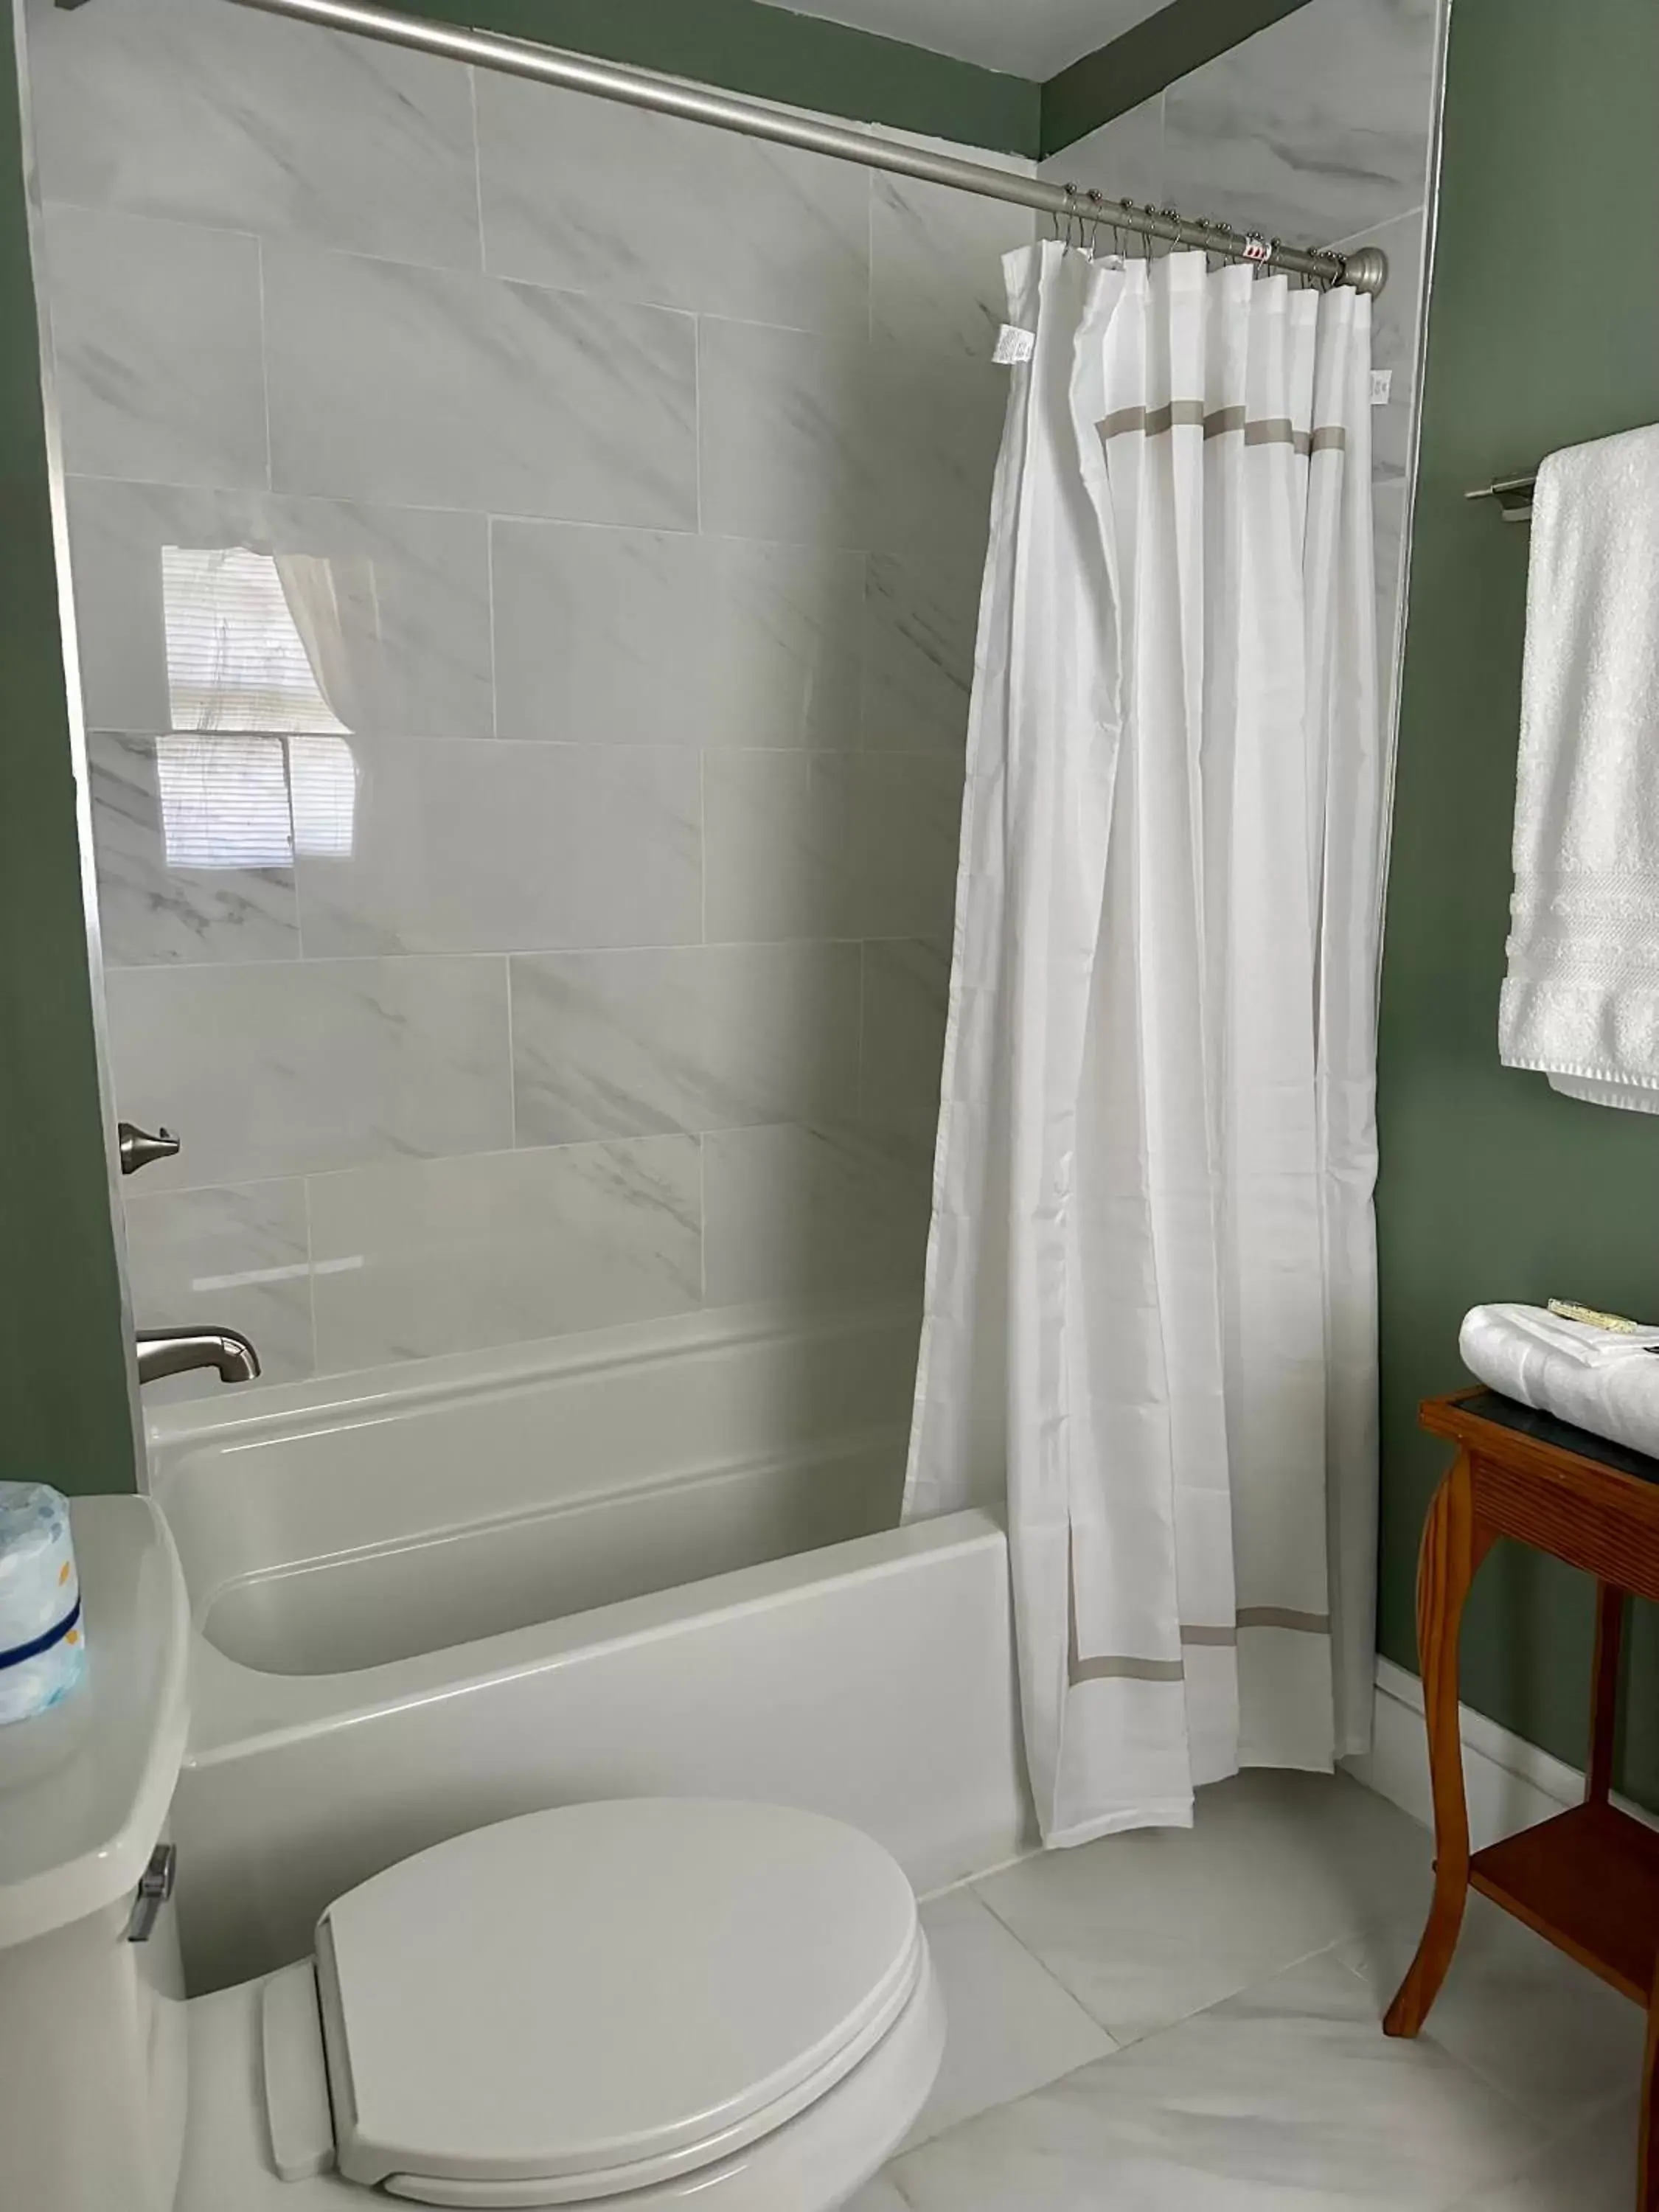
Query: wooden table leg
{"points": [[1453, 1548], [1604, 1697]]}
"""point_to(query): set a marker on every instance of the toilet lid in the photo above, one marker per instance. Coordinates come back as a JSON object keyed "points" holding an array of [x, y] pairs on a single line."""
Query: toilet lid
{"points": [[603, 1994]]}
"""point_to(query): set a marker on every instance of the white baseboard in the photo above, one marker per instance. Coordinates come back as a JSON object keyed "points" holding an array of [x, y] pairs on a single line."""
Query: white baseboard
{"points": [[1509, 1784]]}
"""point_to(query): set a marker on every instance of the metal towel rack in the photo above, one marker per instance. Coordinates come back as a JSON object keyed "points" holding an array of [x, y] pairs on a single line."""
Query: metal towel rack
{"points": [[1513, 495]]}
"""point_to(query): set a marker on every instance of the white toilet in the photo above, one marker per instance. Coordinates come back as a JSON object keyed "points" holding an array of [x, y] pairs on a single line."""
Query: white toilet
{"points": [[627, 2004]]}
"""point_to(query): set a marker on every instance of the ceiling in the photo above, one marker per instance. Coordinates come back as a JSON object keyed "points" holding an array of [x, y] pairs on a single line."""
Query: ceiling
{"points": [[1028, 37]]}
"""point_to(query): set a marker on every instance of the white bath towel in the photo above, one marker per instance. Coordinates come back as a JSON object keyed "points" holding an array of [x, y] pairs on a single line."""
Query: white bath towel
{"points": [[1581, 1002], [1606, 1383]]}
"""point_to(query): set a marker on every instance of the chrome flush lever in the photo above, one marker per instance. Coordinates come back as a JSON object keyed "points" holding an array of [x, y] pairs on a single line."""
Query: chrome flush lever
{"points": [[137, 1148], [154, 1888]]}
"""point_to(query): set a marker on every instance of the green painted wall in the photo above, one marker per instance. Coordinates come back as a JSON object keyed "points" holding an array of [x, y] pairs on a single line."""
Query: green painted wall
{"points": [[1543, 330], [64, 1412], [1149, 56]]}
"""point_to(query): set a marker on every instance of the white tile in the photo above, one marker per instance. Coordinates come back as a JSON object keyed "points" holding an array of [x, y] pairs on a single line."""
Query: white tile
{"points": [[448, 1255], [409, 592], [906, 814], [152, 910], [727, 226], [1146, 1928], [830, 844], [827, 441], [936, 264], [657, 637], [1010, 2026], [784, 434], [292, 1066], [235, 1256], [155, 341], [1315, 128], [498, 847], [935, 425], [1521, 2015], [907, 985], [1393, 336], [1592, 2168], [878, 2195], [800, 1209], [921, 621], [430, 388], [778, 844], [1123, 159], [1288, 2094], [202, 113], [694, 1038]]}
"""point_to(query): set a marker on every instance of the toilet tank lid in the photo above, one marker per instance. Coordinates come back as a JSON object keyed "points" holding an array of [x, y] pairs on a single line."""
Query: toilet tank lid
{"points": [[635, 1985], [85, 1787]]}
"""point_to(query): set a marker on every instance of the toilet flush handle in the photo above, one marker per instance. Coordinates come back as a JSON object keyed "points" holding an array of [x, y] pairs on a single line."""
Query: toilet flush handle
{"points": [[154, 1888]]}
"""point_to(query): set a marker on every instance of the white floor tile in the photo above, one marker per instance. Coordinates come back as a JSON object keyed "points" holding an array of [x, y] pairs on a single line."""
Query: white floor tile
{"points": [[1525, 2017], [880, 2195], [1288, 2094], [1148, 1928], [1011, 2026], [1590, 2169]]}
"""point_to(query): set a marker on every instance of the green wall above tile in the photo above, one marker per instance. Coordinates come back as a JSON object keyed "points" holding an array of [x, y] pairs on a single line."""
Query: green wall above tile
{"points": [[1149, 56]]}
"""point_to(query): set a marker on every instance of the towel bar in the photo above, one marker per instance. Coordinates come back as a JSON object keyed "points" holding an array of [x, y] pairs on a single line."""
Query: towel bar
{"points": [[1513, 495]]}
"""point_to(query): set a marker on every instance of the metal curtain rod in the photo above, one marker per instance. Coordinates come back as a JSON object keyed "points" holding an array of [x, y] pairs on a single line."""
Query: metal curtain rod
{"points": [[1366, 270]]}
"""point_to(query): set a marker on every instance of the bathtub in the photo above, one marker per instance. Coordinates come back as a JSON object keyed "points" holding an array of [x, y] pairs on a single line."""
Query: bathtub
{"points": [[661, 1558]]}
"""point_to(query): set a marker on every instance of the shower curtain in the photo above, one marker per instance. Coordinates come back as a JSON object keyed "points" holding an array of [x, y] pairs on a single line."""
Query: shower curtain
{"points": [[1149, 1335]]}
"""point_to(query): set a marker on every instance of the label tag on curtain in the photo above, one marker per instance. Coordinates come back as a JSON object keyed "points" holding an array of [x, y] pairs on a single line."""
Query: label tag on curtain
{"points": [[1381, 385], [1013, 345]]}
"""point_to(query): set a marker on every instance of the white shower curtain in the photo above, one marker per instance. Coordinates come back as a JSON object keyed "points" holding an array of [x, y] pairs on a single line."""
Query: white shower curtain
{"points": [[1150, 1320]]}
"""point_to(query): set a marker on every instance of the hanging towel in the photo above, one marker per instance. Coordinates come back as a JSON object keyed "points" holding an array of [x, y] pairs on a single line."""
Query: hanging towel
{"points": [[1581, 1002], [1606, 1383]]}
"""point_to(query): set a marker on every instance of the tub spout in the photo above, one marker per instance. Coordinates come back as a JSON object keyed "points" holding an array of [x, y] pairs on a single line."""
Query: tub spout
{"points": [[174, 1351]]}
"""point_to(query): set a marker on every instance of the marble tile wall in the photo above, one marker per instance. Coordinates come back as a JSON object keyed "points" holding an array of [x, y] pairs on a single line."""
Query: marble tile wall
{"points": [[553, 930], [1317, 130]]}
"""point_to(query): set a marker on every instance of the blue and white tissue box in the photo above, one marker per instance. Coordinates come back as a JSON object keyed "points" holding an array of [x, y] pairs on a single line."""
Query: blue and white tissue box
{"points": [[43, 1646]]}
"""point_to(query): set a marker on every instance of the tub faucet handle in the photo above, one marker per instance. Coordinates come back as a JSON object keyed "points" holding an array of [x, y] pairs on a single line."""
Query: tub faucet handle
{"points": [[137, 1147]]}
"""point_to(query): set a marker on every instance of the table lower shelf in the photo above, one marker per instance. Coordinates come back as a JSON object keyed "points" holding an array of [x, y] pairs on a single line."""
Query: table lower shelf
{"points": [[1589, 1880]]}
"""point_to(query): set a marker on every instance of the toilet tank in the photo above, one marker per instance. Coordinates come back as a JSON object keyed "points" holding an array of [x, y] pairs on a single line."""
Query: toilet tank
{"points": [[92, 2022]]}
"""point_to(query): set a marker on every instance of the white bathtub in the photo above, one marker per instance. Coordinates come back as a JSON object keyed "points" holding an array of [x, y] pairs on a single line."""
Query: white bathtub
{"points": [[661, 1558]]}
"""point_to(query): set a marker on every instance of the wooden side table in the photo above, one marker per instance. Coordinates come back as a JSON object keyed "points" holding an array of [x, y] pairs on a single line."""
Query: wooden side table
{"points": [[1587, 1880]]}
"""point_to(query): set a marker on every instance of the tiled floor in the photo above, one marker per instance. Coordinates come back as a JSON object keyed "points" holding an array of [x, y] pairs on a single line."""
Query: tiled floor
{"points": [[1189, 2022]]}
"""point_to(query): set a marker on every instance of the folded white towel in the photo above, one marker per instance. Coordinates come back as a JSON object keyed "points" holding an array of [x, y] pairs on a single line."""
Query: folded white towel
{"points": [[1610, 1387], [1581, 1001]]}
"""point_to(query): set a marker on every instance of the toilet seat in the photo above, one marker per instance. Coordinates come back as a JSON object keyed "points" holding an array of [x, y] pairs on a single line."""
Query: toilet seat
{"points": [[578, 2004]]}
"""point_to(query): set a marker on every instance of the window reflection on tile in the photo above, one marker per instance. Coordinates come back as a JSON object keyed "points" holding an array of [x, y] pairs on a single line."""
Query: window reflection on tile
{"points": [[231, 793], [407, 593], [235, 657], [156, 909]]}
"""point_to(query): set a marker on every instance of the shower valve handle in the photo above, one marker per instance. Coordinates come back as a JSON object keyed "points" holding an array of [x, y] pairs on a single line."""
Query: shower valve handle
{"points": [[137, 1147]]}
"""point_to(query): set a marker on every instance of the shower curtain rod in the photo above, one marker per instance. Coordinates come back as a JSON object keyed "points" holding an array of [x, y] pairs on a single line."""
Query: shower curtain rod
{"points": [[1366, 270]]}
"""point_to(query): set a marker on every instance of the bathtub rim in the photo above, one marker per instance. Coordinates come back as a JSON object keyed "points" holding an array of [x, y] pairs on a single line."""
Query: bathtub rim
{"points": [[237, 1712], [363, 1396]]}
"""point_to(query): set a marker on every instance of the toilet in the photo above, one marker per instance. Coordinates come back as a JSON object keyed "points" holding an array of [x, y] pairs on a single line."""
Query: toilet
{"points": [[631, 2004]]}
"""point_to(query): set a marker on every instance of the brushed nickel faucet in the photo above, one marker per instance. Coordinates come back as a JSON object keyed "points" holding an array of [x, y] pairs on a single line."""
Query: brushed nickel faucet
{"points": [[175, 1350]]}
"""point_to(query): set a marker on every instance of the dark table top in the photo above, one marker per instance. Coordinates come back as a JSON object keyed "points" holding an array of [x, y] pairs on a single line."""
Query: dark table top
{"points": [[1545, 1428]]}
